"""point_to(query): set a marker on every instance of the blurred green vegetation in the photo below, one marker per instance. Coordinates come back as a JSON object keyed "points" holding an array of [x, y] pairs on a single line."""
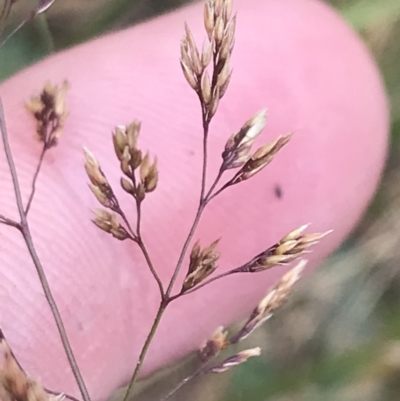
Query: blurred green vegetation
{"points": [[351, 351]]}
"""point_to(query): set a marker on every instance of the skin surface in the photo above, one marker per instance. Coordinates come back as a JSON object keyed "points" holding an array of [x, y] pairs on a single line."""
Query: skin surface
{"points": [[296, 57]]}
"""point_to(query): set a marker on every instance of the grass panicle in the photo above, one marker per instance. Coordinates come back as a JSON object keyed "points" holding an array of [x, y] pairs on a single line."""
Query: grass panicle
{"points": [[208, 73]]}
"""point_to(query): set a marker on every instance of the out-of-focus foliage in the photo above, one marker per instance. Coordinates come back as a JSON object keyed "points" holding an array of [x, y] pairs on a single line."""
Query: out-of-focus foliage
{"points": [[339, 337], [379, 24], [70, 22]]}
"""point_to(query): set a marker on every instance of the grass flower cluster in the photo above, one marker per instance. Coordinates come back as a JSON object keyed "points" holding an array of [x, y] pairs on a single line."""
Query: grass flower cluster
{"points": [[208, 73]]}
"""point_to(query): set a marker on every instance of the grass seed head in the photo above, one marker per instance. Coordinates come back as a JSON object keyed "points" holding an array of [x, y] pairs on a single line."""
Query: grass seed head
{"points": [[235, 360], [214, 345], [209, 18], [93, 169], [189, 75], [14, 383], [149, 174], [260, 159], [203, 262], [238, 146], [109, 223], [50, 112], [206, 54], [275, 298], [290, 247]]}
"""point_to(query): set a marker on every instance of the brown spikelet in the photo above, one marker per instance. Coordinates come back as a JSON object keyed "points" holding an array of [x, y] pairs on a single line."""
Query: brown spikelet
{"points": [[93, 169], [209, 18], [214, 345], [127, 186], [234, 360], [206, 88], [202, 264], [193, 52], [109, 223], [220, 28], [189, 75], [238, 146], [206, 54], [141, 174], [272, 301], [260, 159], [50, 112], [15, 385], [99, 184], [120, 141], [148, 174], [292, 246]]}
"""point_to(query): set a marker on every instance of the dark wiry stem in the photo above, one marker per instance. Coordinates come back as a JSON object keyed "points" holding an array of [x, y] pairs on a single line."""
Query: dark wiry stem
{"points": [[141, 244], [167, 294], [41, 7], [216, 193], [25, 231], [206, 127], [186, 380], [206, 120], [204, 199], [15, 30], [146, 255], [210, 195], [8, 222], [34, 179], [70, 397], [145, 348], [209, 281]]}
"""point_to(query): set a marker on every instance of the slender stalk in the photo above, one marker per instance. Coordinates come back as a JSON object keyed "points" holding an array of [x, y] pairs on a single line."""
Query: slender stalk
{"points": [[14, 31], [206, 120], [34, 179], [184, 250], [146, 345], [41, 8], [25, 231], [138, 214], [11, 165], [204, 198], [216, 193], [186, 380], [210, 194], [140, 242], [162, 307], [8, 222], [137, 238], [146, 255], [206, 127], [56, 313], [202, 202], [165, 301], [206, 282], [2, 336], [126, 221]]}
